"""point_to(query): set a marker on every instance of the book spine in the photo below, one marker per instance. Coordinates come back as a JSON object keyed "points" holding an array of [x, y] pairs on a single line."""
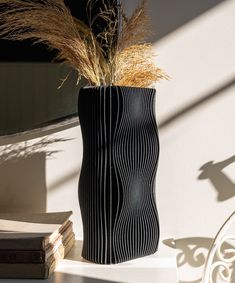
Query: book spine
{"points": [[33, 271], [33, 256], [38, 270], [36, 243], [7, 256]]}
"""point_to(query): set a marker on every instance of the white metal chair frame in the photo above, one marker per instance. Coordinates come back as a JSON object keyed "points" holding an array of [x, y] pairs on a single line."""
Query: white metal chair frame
{"points": [[217, 261]]}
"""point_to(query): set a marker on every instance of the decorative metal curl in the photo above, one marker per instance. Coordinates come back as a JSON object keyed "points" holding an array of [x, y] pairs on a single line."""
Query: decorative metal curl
{"points": [[223, 263]]}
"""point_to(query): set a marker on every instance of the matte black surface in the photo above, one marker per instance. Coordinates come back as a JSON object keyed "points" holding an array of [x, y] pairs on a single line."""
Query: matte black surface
{"points": [[116, 187]]}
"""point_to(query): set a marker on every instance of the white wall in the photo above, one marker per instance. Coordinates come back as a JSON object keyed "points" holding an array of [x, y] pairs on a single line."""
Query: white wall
{"points": [[200, 59], [195, 112], [40, 172], [195, 43]]}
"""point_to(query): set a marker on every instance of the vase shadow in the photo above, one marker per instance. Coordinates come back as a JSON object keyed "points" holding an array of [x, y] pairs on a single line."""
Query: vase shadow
{"points": [[222, 183]]}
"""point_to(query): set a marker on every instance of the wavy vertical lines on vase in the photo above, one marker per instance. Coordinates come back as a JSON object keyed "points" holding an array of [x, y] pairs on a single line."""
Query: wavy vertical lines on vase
{"points": [[116, 186]]}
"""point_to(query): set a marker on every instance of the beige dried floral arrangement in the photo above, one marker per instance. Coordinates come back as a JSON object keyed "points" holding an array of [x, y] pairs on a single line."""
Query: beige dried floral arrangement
{"points": [[106, 59]]}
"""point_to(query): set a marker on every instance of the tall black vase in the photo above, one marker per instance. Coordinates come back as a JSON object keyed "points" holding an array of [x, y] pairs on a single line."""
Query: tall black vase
{"points": [[116, 187]]}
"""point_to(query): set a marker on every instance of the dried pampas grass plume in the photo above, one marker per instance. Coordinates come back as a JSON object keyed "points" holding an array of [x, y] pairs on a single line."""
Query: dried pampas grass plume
{"points": [[136, 28], [106, 59], [135, 67], [50, 22]]}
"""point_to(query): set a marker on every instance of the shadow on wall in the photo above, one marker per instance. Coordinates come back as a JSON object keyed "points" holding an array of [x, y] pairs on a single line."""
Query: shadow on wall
{"points": [[170, 15], [21, 191], [213, 172], [62, 180], [191, 256], [207, 97], [23, 176]]}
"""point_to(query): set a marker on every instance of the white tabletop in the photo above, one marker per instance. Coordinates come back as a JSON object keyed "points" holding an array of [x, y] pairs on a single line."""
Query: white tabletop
{"points": [[157, 268]]}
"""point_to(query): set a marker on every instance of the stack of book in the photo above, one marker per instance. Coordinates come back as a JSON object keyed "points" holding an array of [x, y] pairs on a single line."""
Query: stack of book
{"points": [[32, 245]]}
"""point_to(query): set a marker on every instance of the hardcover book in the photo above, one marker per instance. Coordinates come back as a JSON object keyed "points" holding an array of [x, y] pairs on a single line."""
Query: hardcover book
{"points": [[32, 245], [31, 231], [36, 270]]}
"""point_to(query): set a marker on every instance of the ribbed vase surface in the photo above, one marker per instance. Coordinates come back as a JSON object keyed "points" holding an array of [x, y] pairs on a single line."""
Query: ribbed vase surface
{"points": [[116, 186]]}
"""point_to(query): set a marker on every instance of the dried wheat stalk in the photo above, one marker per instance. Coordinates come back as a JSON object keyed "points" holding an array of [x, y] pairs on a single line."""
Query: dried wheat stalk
{"points": [[126, 60]]}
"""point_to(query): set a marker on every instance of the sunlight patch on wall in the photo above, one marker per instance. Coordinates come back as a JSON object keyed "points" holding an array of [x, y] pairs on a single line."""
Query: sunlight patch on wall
{"points": [[199, 57]]}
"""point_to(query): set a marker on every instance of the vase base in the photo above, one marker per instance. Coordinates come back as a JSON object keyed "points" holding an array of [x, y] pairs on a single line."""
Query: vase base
{"points": [[117, 261]]}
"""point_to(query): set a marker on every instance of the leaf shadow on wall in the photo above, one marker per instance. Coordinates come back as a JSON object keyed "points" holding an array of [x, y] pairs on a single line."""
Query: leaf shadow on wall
{"points": [[191, 256], [23, 175], [222, 183]]}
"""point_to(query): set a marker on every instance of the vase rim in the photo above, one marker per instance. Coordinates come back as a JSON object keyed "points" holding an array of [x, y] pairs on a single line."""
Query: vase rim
{"points": [[118, 86]]}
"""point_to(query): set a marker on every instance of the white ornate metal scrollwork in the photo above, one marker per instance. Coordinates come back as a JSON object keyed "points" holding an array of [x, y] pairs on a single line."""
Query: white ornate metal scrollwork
{"points": [[218, 259]]}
